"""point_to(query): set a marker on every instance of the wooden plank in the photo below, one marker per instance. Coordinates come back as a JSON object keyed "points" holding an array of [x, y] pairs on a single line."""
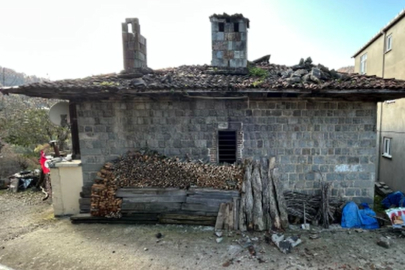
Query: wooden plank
{"points": [[257, 186], [230, 216], [227, 214], [85, 195], [236, 213], [274, 213], [114, 221], [84, 201], [188, 222], [143, 216], [87, 218], [249, 196], [186, 217], [212, 196], [282, 205], [134, 192], [211, 202], [199, 207], [224, 192], [195, 213], [265, 192], [155, 199], [130, 207], [219, 224]]}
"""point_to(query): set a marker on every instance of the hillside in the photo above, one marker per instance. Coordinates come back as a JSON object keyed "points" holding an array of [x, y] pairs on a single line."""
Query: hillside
{"points": [[12, 104], [10, 77], [348, 69]]}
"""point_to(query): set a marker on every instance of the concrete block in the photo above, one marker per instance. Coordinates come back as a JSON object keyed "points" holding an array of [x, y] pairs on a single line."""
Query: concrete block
{"points": [[220, 36], [219, 54], [242, 27]]}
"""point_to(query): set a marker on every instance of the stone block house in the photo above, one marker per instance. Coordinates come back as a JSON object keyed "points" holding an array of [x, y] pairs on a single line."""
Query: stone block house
{"points": [[317, 123], [384, 55]]}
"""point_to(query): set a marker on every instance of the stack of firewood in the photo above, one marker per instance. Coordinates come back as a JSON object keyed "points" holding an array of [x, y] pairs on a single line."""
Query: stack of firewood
{"points": [[103, 200], [150, 169]]}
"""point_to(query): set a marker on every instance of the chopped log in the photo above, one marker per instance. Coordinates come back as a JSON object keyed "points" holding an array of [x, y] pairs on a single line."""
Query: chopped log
{"points": [[242, 209], [236, 206], [249, 195], [219, 224], [274, 214], [257, 212], [226, 219], [266, 197], [230, 216], [282, 206]]}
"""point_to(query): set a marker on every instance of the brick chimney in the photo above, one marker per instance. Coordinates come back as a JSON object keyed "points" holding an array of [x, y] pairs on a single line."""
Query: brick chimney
{"points": [[229, 40], [134, 45]]}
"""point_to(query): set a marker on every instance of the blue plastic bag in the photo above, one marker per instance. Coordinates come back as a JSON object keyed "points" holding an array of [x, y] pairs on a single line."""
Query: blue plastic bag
{"points": [[352, 217], [367, 218], [396, 198]]}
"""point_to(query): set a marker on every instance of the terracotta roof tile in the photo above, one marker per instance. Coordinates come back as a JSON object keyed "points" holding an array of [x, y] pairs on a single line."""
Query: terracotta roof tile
{"points": [[208, 78]]}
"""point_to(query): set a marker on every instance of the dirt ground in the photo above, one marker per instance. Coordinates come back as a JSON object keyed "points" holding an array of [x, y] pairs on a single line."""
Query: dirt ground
{"points": [[30, 238]]}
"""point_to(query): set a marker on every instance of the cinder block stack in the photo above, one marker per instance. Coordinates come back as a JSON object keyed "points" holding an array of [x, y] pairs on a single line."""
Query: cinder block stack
{"points": [[134, 45], [229, 40]]}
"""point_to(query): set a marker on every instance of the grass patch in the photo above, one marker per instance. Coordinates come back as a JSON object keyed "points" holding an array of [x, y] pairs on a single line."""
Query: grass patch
{"points": [[378, 208], [258, 72]]}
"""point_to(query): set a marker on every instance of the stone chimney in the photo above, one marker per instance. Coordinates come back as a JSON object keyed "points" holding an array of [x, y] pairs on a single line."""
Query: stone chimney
{"points": [[229, 40], [134, 45]]}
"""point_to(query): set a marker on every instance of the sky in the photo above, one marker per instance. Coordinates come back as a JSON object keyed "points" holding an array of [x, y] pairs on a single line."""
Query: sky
{"points": [[79, 38]]}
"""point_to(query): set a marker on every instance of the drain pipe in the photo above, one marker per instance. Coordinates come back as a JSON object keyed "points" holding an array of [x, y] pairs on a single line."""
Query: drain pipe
{"points": [[383, 56], [379, 144]]}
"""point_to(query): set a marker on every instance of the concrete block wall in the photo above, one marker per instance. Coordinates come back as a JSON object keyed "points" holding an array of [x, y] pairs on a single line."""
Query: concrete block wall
{"points": [[229, 42], [333, 140], [134, 45]]}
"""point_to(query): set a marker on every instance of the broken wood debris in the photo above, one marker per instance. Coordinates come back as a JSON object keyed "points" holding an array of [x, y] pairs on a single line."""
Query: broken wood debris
{"points": [[314, 205]]}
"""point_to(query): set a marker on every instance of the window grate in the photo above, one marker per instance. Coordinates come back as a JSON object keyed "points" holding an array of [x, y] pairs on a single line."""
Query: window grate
{"points": [[227, 146]]}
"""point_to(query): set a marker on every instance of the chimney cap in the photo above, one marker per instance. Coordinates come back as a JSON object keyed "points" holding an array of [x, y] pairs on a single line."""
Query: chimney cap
{"points": [[236, 16]]}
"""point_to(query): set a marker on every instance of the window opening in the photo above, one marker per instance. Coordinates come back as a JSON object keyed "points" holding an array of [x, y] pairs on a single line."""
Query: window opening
{"points": [[389, 43], [221, 26], [130, 28], [227, 146], [363, 64], [387, 147], [236, 27]]}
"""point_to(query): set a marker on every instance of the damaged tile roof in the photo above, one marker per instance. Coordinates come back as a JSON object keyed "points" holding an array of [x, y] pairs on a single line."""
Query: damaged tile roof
{"points": [[303, 80]]}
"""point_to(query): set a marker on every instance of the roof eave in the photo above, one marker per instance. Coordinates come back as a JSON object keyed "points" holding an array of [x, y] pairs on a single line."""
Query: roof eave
{"points": [[346, 94], [384, 29]]}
